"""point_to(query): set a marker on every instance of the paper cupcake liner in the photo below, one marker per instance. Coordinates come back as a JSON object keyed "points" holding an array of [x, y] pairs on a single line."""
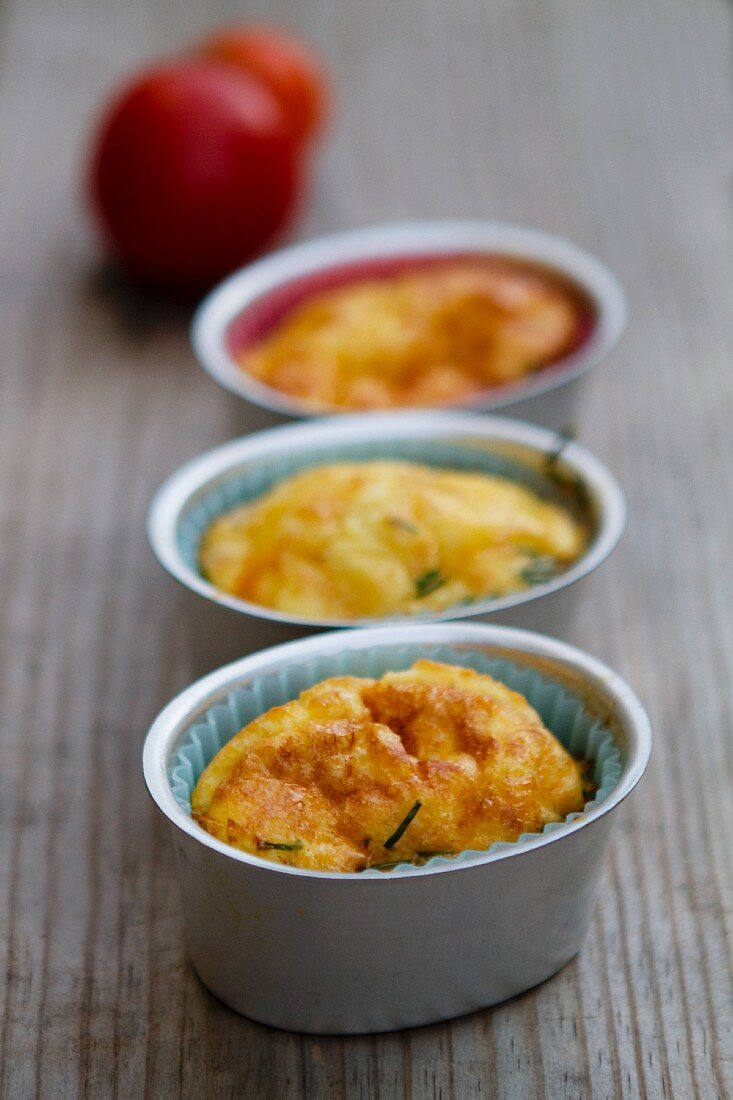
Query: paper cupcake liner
{"points": [[241, 485], [564, 713]]}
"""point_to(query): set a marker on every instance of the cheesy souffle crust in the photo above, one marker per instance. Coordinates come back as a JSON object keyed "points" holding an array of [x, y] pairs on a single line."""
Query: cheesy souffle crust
{"points": [[360, 773], [374, 539], [421, 338]]}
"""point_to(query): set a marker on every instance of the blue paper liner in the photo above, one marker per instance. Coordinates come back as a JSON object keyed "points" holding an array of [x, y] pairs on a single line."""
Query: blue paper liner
{"points": [[564, 713], [254, 477]]}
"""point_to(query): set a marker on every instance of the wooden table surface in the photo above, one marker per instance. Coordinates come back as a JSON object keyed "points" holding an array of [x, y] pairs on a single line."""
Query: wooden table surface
{"points": [[611, 123]]}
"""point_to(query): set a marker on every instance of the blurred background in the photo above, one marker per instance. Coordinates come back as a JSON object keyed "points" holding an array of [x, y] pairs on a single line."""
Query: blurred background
{"points": [[607, 123]]}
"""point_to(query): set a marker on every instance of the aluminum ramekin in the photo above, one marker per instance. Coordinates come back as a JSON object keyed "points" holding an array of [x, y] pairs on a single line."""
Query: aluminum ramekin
{"points": [[225, 627], [344, 953], [548, 397]]}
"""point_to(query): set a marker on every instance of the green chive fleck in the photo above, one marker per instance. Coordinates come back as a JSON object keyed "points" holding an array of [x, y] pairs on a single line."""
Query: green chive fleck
{"points": [[569, 484], [402, 826], [565, 435], [539, 570], [275, 846], [403, 524], [429, 582]]}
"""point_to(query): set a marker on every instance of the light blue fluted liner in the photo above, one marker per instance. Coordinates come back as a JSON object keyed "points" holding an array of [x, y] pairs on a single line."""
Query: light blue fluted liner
{"points": [[255, 477], [564, 713]]}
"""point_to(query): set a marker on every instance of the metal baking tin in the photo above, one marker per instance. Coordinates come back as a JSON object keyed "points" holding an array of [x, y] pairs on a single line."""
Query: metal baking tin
{"points": [[547, 397], [225, 626], [346, 953]]}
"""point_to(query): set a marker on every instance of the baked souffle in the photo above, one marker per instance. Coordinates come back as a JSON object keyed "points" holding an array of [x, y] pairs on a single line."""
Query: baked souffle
{"points": [[386, 538], [430, 336], [364, 773]]}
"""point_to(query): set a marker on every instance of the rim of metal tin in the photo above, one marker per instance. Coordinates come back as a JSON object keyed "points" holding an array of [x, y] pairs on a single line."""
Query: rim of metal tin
{"points": [[174, 495], [628, 715], [238, 292]]}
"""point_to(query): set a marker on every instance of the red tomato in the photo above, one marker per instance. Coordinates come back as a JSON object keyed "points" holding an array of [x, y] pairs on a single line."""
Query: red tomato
{"points": [[284, 64], [193, 171]]}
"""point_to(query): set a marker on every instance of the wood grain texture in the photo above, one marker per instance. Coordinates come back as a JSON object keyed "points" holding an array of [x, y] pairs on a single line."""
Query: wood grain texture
{"points": [[611, 123]]}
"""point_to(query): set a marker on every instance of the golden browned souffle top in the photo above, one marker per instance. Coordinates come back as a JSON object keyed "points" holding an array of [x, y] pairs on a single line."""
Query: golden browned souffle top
{"points": [[428, 337], [360, 773], [374, 539]]}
